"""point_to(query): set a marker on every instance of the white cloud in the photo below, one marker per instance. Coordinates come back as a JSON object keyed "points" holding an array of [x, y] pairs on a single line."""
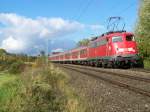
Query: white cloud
{"points": [[12, 44], [20, 33], [44, 33], [58, 50]]}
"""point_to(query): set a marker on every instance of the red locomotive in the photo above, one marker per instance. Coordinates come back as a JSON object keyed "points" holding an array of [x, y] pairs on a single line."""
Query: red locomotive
{"points": [[112, 49]]}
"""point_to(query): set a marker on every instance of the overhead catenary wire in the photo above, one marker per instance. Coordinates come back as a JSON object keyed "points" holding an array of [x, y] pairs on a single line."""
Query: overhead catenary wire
{"points": [[120, 13], [127, 8], [78, 9], [89, 2], [83, 10]]}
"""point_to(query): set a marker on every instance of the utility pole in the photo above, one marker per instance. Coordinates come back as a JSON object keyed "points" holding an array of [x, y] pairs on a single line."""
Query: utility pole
{"points": [[47, 52]]}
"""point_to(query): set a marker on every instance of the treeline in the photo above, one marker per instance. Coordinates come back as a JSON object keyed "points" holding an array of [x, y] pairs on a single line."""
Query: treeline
{"points": [[83, 42], [143, 28], [4, 55], [13, 63]]}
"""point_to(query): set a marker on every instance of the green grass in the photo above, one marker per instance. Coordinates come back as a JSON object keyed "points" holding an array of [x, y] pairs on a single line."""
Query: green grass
{"points": [[6, 77], [9, 85], [38, 90], [147, 63]]}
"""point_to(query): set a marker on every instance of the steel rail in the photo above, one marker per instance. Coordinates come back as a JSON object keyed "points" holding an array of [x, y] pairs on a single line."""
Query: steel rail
{"points": [[120, 84], [140, 70], [147, 80]]}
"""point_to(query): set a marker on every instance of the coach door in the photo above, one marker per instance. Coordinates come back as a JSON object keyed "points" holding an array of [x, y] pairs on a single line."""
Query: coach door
{"points": [[108, 46]]}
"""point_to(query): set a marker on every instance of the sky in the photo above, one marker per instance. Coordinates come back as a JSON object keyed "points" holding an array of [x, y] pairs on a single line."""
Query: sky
{"points": [[28, 26]]}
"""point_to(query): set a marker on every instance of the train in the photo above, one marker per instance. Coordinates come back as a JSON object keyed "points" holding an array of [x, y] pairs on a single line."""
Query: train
{"points": [[115, 49]]}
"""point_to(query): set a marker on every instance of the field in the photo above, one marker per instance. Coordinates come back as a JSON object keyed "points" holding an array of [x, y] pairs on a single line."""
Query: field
{"points": [[38, 90]]}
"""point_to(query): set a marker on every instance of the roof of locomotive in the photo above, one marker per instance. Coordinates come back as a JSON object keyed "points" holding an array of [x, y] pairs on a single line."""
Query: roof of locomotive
{"points": [[114, 33]]}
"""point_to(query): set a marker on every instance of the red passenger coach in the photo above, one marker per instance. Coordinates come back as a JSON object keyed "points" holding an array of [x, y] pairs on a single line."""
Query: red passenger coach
{"points": [[67, 56], [84, 53], [79, 55], [112, 49], [75, 54]]}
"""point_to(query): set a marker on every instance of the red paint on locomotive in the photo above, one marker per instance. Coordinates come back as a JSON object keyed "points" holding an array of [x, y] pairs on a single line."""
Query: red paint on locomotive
{"points": [[115, 47]]}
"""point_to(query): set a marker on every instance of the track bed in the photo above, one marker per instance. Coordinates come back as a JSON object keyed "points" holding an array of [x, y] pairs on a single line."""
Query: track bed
{"points": [[102, 92]]}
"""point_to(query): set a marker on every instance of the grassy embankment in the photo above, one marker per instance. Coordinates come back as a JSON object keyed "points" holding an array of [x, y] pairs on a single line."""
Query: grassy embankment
{"points": [[38, 90]]}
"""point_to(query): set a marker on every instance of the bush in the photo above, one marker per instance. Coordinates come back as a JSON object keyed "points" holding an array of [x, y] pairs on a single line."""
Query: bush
{"points": [[16, 67], [147, 63]]}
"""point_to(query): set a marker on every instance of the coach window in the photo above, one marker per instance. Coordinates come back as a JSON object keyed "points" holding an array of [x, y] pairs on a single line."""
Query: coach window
{"points": [[67, 55], [93, 44], [130, 38], [104, 41], [82, 52], [98, 43], [117, 39], [101, 42], [76, 54]]}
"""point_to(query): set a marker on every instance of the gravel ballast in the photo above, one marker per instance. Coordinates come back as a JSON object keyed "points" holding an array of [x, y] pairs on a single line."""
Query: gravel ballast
{"points": [[101, 96]]}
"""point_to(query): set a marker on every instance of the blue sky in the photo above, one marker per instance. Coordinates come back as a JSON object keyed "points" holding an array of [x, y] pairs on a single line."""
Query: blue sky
{"points": [[75, 19]]}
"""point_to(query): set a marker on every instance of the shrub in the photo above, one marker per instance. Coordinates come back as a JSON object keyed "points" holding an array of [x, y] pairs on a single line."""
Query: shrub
{"points": [[147, 63], [16, 67]]}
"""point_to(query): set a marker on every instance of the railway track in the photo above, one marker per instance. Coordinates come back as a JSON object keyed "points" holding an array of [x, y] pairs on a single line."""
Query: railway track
{"points": [[147, 80], [140, 70], [89, 70]]}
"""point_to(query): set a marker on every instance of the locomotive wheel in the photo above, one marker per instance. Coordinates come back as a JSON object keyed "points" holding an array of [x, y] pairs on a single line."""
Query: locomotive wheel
{"points": [[97, 64], [104, 65], [110, 64], [114, 65], [140, 64], [131, 65]]}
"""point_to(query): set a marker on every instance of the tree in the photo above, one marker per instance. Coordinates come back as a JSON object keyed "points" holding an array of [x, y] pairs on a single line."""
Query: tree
{"points": [[143, 28], [83, 42], [2, 52], [42, 53]]}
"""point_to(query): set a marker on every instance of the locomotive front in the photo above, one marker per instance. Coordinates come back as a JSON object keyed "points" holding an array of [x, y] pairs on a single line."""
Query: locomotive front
{"points": [[125, 50]]}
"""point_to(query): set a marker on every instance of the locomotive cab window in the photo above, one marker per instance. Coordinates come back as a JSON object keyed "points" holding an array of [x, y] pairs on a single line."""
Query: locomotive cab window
{"points": [[83, 51], [93, 45], [117, 39], [102, 42], [130, 38]]}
